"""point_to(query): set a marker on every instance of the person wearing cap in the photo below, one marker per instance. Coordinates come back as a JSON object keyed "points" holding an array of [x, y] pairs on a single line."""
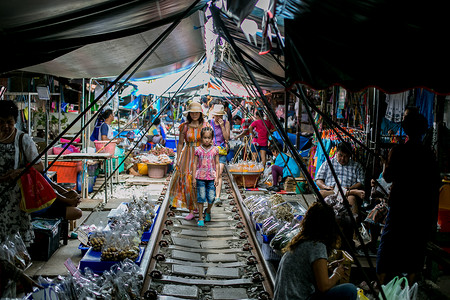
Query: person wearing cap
{"points": [[221, 131], [182, 193]]}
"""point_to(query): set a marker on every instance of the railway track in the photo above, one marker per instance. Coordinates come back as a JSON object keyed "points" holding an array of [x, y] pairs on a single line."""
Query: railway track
{"points": [[219, 261]]}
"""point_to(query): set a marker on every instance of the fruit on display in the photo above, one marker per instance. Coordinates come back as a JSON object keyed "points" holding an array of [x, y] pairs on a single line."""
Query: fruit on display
{"points": [[162, 150], [246, 166]]}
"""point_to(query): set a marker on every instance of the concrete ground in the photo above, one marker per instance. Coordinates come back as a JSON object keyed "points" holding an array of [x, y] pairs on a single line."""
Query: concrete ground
{"points": [[95, 212]]}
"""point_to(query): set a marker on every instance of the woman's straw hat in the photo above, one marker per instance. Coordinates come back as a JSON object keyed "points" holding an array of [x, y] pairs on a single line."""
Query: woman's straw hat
{"points": [[218, 110], [194, 107]]}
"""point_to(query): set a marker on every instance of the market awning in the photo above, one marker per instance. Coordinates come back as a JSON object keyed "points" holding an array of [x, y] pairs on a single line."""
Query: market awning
{"points": [[96, 38]]}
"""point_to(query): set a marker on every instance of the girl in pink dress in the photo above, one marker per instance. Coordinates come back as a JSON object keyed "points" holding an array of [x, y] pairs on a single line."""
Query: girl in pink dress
{"points": [[206, 178]]}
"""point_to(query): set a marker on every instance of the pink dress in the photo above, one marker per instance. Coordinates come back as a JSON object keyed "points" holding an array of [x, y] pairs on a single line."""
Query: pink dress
{"points": [[206, 166]]}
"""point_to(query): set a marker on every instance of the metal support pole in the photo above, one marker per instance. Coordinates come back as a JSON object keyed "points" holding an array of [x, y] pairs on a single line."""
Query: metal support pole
{"points": [[29, 114], [47, 113], [286, 104]]}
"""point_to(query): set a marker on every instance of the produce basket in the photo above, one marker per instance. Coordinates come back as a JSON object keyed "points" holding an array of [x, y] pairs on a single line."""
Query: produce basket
{"points": [[157, 170], [246, 179], [101, 148]]}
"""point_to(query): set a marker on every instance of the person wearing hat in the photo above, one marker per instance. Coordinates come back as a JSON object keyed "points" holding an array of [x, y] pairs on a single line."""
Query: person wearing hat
{"points": [[182, 193], [221, 131]]}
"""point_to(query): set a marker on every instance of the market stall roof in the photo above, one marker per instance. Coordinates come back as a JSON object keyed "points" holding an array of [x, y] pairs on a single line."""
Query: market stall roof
{"points": [[394, 45], [97, 38]]}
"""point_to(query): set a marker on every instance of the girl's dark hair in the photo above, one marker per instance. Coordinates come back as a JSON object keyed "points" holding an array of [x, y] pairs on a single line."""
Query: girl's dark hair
{"points": [[260, 114], [275, 146], [157, 121], [106, 114], [8, 109], [318, 225], [236, 117], [205, 130], [189, 118]]}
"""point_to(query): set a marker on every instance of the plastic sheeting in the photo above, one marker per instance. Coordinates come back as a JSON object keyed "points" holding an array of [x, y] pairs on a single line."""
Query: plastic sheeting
{"points": [[39, 31]]}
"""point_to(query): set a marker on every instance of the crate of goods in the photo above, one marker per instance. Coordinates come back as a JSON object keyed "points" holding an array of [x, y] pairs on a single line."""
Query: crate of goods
{"points": [[246, 179], [66, 171], [92, 260], [46, 240], [157, 170]]}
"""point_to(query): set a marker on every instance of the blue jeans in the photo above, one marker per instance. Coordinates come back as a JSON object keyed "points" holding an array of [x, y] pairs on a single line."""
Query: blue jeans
{"points": [[222, 159], [206, 191], [345, 291]]}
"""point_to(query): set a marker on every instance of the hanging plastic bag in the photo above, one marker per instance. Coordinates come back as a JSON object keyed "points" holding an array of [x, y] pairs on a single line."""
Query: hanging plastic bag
{"points": [[37, 193], [396, 289]]}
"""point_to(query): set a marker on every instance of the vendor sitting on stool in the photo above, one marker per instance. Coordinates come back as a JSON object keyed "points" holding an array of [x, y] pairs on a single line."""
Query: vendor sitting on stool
{"points": [[282, 167], [156, 133], [349, 173], [127, 144]]}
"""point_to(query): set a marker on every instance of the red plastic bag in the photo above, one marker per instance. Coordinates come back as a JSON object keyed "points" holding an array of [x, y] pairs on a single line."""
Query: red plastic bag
{"points": [[37, 193]]}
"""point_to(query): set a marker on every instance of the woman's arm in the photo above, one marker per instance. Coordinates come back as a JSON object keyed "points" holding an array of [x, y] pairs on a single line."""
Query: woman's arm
{"points": [[180, 144], [216, 180], [194, 170], [323, 281], [226, 131]]}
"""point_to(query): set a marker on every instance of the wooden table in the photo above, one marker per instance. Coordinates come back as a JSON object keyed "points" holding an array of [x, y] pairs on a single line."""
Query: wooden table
{"points": [[106, 157]]}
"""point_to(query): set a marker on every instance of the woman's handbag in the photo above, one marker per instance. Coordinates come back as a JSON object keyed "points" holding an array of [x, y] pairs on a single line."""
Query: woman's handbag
{"points": [[37, 193]]}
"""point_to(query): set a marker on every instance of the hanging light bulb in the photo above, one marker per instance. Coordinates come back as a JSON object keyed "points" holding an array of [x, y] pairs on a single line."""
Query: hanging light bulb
{"points": [[249, 28], [263, 4]]}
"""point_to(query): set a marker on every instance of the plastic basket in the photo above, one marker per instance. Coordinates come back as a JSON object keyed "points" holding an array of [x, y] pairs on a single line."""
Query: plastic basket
{"points": [[83, 248], [66, 171], [101, 148], [156, 171]]}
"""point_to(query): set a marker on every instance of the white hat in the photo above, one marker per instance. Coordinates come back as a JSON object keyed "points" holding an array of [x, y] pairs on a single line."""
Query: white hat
{"points": [[217, 110]]}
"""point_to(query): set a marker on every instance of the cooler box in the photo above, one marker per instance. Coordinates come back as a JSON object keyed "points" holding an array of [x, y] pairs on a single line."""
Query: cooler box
{"points": [[46, 241]]}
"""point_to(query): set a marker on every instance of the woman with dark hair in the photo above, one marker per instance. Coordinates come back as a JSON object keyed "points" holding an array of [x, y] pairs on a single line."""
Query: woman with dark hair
{"points": [[303, 272], [17, 150], [413, 203], [182, 194], [103, 130]]}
